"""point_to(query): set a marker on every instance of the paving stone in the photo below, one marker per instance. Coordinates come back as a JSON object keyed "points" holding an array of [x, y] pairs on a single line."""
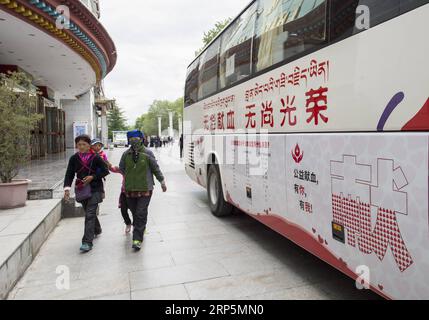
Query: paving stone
{"points": [[177, 292], [119, 297], [79, 289], [176, 275], [241, 286], [187, 254], [309, 292]]}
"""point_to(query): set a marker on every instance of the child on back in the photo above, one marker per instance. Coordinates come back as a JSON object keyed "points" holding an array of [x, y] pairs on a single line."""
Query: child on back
{"points": [[123, 201], [97, 147]]}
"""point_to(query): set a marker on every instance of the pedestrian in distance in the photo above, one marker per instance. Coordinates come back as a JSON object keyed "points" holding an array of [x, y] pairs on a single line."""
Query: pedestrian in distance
{"points": [[139, 166], [146, 140], [89, 170], [181, 146]]}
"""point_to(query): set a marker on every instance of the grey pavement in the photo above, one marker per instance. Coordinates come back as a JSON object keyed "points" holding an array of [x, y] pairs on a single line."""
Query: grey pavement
{"points": [[46, 173], [22, 232], [187, 254]]}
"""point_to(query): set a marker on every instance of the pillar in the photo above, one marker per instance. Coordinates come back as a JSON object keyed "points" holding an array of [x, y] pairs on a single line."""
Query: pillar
{"points": [[104, 127], [170, 125]]}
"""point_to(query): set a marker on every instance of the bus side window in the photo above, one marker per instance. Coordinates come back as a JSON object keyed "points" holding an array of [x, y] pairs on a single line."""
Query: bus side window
{"points": [[287, 28], [407, 5], [191, 87], [208, 72], [235, 56], [345, 14]]}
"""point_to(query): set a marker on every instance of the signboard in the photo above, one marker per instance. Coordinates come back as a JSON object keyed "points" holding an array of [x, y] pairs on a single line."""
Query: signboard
{"points": [[80, 128]]}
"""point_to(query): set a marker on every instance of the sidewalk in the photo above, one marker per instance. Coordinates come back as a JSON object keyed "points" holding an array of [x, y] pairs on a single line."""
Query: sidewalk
{"points": [[46, 175], [22, 233], [187, 254]]}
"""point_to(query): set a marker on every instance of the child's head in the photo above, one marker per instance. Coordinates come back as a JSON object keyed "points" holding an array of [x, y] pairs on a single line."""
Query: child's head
{"points": [[96, 145]]}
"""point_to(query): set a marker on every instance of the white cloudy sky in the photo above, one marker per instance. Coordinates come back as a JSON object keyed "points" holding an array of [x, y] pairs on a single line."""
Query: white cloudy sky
{"points": [[156, 40]]}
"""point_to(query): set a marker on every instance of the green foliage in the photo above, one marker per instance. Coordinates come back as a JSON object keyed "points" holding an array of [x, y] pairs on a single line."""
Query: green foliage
{"points": [[116, 121], [148, 122], [18, 100], [212, 33]]}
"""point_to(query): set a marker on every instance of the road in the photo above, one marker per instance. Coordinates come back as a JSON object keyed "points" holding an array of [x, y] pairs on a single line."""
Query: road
{"points": [[187, 254]]}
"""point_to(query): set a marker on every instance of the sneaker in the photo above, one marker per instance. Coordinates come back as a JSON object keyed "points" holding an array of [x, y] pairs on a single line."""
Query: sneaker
{"points": [[137, 245], [86, 247], [128, 229]]}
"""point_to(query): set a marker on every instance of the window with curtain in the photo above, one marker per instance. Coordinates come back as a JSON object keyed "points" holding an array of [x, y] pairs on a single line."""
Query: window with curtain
{"points": [[287, 28], [208, 72], [191, 87], [236, 48]]}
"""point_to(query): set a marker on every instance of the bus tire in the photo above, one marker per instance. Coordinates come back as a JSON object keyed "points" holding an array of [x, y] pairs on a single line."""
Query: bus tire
{"points": [[218, 206]]}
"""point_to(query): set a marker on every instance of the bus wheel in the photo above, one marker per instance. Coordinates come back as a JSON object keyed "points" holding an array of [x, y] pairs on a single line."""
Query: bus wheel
{"points": [[218, 206]]}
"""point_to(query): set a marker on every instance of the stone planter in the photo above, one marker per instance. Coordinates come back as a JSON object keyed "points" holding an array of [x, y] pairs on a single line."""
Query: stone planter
{"points": [[13, 195]]}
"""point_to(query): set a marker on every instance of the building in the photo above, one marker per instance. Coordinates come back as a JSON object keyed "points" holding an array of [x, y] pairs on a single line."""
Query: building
{"points": [[67, 52]]}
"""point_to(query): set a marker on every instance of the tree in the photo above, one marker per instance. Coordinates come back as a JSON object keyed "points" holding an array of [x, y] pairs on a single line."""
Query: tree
{"points": [[212, 33], [148, 122], [116, 120], [140, 122], [18, 102]]}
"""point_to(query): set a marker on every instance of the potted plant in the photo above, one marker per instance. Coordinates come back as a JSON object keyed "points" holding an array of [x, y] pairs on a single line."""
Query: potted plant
{"points": [[18, 100]]}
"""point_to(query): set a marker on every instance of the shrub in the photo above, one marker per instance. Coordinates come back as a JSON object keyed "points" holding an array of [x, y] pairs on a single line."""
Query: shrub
{"points": [[18, 101]]}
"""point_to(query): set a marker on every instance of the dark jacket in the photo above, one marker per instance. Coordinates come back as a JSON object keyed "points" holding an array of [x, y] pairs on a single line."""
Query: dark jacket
{"points": [[98, 170]]}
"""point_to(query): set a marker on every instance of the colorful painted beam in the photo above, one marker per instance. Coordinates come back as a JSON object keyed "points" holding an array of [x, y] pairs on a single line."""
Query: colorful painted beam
{"points": [[44, 16]]}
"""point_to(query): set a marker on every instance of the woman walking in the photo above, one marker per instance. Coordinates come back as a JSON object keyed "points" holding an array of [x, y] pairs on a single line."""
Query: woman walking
{"points": [[138, 164], [89, 170]]}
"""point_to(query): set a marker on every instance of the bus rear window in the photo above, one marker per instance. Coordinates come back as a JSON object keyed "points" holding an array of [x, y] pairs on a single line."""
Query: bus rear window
{"points": [[208, 74], [191, 90]]}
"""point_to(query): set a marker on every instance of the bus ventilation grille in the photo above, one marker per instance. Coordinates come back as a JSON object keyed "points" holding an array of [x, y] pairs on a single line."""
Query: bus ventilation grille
{"points": [[191, 155]]}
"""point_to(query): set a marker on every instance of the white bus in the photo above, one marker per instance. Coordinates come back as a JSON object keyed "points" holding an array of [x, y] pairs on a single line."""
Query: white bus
{"points": [[312, 116]]}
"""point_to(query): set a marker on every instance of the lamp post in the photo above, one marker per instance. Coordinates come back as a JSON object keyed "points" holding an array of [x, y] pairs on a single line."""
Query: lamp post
{"points": [[159, 126], [170, 125]]}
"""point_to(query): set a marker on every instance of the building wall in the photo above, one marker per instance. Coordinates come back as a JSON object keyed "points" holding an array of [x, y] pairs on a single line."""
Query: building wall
{"points": [[93, 6], [80, 110]]}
